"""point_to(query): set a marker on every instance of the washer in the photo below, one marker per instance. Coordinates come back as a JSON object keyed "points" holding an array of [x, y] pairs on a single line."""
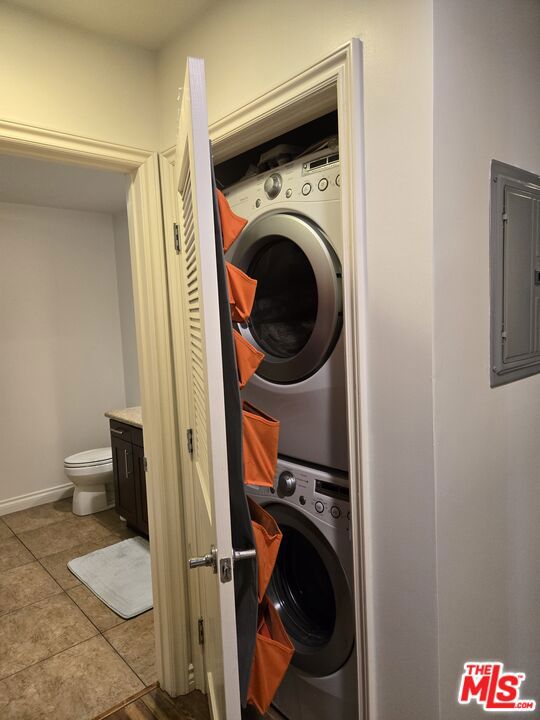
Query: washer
{"points": [[292, 246], [312, 589]]}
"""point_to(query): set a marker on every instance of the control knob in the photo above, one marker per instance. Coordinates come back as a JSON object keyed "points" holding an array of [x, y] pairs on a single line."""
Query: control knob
{"points": [[286, 484], [272, 186]]}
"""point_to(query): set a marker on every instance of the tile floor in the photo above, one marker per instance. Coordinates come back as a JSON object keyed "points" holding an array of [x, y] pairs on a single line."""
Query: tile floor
{"points": [[63, 653]]}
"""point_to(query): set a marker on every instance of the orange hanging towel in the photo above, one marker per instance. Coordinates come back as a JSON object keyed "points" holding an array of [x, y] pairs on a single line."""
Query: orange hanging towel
{"points": [[273, 654], [248, 358], [260, 446], [231, 224], [267, 541], [241, 293]]}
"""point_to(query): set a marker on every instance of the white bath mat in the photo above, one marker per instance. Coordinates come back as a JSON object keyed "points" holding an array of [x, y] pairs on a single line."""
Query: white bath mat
{"points": [[119, 575]]}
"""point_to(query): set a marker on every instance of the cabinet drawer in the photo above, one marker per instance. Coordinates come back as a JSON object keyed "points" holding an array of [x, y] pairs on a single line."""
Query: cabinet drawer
{"points": [[121, 431]]}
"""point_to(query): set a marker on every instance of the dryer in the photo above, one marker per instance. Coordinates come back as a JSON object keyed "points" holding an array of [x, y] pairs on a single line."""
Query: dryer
{"points": [[292, 246], [312, 589]]}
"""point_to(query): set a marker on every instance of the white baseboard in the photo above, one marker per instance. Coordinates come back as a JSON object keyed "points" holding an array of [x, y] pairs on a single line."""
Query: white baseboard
{"points": [[39, 497]]}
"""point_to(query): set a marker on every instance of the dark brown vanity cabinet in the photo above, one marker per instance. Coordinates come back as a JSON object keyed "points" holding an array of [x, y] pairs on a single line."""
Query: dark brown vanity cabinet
{"points": [[129, 475]]}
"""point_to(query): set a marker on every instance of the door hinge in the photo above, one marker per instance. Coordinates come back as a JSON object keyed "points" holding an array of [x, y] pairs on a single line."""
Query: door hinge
{"points": [[505, 217], [145, 465], [189, 435], [176, 231], [201, 630]]}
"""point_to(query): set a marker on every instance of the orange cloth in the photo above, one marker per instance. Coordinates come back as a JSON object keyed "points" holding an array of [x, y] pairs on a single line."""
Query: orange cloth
{"points": [[248, 358], [268, 538], [231, 224], [241, 293], [273, 654], [260, 446]]}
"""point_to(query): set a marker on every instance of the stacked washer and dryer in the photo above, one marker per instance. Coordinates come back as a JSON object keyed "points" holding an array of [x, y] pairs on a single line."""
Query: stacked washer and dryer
{"points": [[292, 246]]}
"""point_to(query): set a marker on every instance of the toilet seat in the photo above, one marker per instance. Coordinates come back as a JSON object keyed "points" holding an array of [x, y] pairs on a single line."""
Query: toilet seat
{"points": [[89, 458]]}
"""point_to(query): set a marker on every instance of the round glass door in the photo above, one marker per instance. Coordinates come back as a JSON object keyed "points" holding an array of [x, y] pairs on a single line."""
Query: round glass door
{"points": [[297, 314], [286, 302], [309, 588]]}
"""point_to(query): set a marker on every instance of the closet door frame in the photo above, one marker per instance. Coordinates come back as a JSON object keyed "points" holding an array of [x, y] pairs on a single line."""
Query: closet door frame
{"points": [[335, 82], [161, 436]]}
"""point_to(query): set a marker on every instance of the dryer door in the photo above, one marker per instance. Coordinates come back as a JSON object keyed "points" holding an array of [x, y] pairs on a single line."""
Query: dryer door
{"points": [[309, 588], [297, 315]]}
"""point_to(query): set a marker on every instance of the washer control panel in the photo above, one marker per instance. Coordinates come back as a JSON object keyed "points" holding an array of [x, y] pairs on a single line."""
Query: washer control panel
{"points": [[321, 494]]}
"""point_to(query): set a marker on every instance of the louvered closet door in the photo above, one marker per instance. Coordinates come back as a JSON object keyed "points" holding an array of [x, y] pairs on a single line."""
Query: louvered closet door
{"points": [[205, 389]]}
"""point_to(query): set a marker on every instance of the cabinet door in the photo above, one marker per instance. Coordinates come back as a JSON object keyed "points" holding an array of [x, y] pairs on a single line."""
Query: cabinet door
{"points": [[124, 480], [140, 489]]}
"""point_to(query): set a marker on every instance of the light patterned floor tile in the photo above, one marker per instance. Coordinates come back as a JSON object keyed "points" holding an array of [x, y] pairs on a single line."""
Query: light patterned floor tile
{"points": [[101, 615], [25, 585], [134, 640], [76, 684], [40, 630]]}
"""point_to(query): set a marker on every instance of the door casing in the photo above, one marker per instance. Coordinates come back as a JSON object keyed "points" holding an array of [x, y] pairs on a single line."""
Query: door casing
{"points": [[165, 510], [334, 82]]}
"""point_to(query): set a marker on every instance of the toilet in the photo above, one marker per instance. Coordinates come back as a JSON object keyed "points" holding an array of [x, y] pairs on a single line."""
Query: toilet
{"points": [[91, 472]]}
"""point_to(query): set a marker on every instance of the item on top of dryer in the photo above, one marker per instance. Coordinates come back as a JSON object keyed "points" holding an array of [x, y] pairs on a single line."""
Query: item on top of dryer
{"points": [[260, 445], [292, 246], [231, 224], [312, 588], [276, 156], [248, 358], [329, 143], [241, 289]]}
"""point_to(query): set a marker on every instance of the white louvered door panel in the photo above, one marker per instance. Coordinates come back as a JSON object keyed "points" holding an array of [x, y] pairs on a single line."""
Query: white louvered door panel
{"points": [[205, 388]]}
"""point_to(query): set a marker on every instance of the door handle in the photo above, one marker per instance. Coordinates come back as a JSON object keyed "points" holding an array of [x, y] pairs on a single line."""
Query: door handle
{"points": [[225, 570], [208, 560], [126, 462], [244, 554]]}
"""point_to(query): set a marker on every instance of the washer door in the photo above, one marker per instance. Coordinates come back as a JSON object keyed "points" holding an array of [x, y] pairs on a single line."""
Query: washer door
{"points": [[309, 588], [297, 315]]}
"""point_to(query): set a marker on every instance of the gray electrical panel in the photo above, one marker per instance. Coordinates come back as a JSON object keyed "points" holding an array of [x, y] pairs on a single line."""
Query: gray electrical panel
{"points": [[515, 273]]}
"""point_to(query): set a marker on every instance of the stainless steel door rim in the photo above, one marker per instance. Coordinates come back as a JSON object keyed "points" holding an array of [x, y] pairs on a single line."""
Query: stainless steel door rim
{"points": [[325, 265]]}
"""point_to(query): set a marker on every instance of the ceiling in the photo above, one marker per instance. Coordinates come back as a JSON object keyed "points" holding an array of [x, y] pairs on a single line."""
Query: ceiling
{"points": [[146, 23], [37, 182]]}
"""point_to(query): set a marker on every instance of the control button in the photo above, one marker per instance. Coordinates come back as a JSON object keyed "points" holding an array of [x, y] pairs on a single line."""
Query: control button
{"points": [[335, 511], [323, 184], [288, 193], [272, 185], [338, 180], [319, 507], [306, 188], [258, 202], [302, 500], [286, 484]]}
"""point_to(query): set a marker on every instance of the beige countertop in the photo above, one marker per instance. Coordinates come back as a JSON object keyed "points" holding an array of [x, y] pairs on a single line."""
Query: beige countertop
{"points": [[130, 416]]}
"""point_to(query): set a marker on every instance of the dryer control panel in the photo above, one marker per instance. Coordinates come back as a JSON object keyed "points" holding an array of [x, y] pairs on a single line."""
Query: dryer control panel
{"points": [[314, 178]]}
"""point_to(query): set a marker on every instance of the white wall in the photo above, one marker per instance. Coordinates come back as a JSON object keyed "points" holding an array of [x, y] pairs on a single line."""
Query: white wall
{"points": [[487, 105], [250, 47], [127, 310], [61, 355], [57, 77]]}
